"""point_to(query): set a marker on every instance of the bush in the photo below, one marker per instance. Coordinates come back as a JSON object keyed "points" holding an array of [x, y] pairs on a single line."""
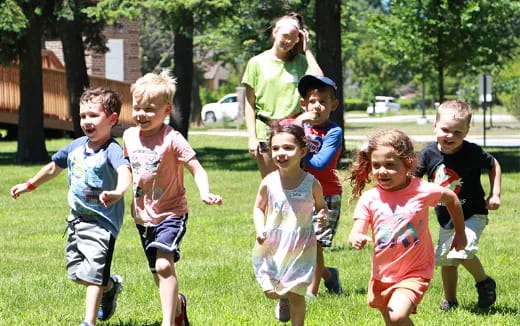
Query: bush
{"points": [[355, 104]]}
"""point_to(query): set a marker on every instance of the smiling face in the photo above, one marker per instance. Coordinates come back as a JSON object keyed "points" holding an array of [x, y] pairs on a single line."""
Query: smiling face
{"points": [[389, 170], [285, 38], [149, 115], [320, 102], [286, 152], [95, 122], [450, 132]]}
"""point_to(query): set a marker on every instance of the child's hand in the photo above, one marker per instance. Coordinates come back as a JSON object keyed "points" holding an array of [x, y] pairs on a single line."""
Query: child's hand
{"points": [[109, 197], [211, 199], [304, 35], [260, 237], [459, 241], [143, 220], [19, 189], [321, 218], [493, 202], [359, 240], [309, 117]]}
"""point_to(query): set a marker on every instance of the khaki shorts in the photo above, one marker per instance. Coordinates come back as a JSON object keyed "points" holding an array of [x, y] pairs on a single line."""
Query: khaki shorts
{"points": [[444, 256], [326, 235], [380, 293], [88, 251]]}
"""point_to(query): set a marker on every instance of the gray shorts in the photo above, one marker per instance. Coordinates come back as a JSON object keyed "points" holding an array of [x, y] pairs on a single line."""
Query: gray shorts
{"points": [[326, 234], [88, 251]]}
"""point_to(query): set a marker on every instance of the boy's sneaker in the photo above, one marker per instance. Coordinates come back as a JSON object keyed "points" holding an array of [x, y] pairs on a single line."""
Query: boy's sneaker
{"points": [[85, 324], [447, 305], [487, 294], [182, 318], [332, 283], [283, 310], [109, 299]]}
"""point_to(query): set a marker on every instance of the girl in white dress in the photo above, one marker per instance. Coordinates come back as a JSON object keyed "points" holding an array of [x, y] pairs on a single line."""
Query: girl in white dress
{"points": [[284, 255]]}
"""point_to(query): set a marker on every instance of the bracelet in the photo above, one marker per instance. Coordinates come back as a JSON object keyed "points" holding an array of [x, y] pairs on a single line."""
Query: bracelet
{"points": [[30, 185]]}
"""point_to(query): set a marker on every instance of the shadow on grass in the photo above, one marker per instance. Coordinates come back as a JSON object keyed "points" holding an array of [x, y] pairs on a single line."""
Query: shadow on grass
{"points": [[9, 158], [508, 157], [493, 310], [226, 159]]}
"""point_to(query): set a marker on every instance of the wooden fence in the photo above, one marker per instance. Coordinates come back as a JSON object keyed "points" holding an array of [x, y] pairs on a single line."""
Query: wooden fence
{"points": [[55, 97]]}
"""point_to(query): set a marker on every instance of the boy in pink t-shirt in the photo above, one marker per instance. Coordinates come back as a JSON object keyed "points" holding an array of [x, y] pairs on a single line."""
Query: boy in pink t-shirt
{"points": [[158, 155]]}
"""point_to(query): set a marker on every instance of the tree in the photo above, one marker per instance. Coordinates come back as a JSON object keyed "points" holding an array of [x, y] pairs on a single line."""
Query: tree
{"points": [[444, 36], [24, 38]]}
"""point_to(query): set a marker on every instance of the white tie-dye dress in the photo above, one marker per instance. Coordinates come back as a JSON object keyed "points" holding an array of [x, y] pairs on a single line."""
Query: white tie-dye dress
{"points": [[286, 260]]}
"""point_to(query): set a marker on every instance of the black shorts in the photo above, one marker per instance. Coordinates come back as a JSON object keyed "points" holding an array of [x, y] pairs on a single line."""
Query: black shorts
{"points": [[166, 236]]}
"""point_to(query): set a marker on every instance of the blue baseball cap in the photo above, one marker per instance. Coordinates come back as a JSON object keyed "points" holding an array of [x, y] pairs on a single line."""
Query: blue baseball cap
{"points": [[309, 81]]}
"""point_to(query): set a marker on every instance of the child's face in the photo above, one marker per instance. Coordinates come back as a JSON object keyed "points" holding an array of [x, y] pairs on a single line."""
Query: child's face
{"points": [[321, 104], [450, 133], [149, 117], [96, 124], [286, 152], [388, 169]]}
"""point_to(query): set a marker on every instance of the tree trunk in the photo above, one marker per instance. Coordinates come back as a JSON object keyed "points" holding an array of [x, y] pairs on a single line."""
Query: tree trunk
{"points": [[183, 70], [75, 68], [31, 134], [440, 71], [328, 37]]}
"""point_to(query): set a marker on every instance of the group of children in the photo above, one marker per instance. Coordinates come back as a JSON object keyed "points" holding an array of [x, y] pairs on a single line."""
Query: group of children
{"points": [[297, 206]]}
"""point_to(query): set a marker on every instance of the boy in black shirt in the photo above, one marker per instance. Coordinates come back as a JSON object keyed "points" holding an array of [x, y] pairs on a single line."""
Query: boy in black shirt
{"points": [[455, 163]]}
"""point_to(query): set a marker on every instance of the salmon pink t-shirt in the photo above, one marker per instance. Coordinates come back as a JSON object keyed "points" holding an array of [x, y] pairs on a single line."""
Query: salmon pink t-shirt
{"points": [[158, 172], [403, 245]]}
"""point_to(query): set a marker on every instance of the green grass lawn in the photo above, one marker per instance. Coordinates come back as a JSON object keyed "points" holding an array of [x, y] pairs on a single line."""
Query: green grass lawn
{"points": [[215, 271]]}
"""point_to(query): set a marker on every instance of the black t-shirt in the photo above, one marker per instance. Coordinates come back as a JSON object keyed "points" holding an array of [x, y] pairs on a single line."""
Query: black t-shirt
{"points": [[459, 172]]}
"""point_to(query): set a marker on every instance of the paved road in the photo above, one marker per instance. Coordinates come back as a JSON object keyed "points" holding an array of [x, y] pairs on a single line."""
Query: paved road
{"points": [[511, 140]]}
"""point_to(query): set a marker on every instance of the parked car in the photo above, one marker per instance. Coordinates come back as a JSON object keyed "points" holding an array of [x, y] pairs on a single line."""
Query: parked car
{"points": [[225, 108], [383, 104]]}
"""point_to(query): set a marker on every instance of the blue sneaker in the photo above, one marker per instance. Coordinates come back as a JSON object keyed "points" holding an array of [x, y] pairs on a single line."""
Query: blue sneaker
{"points": [[85, 324], [332, 283], [109, 299], [283, 310]]}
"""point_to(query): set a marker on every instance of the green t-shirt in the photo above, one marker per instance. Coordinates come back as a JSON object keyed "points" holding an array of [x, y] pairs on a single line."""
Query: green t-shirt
{"points": [[276, 87]]}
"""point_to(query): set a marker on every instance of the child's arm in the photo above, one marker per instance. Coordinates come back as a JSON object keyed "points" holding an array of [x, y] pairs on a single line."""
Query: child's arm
{"points": [[320, 205], [330, 147], [358, 237], [259, 213], [450, 199], [124, 178], [201, 179], [495, 184], [46, 173]]}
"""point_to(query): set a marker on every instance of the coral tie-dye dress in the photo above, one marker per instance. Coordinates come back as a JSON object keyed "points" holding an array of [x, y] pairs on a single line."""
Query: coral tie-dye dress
{"points": [[286, 260]]}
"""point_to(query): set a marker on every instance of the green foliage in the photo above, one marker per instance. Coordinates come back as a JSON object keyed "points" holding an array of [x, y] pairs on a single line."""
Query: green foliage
{"points": [[508, 89], [355, 104], [13, 23]]}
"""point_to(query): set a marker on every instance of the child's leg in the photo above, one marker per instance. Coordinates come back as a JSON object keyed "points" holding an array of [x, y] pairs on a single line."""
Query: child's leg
{"points": [[399, 309], [450, 277], [92, 301], [475, 268], [318, 271], [297, 308], [166, 280]]}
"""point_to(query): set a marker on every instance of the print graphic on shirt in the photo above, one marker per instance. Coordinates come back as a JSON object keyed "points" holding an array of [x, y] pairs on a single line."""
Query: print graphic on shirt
{"points": [[447, 178], [396, 232], [314, 144], [86, 177], [145, 164]]}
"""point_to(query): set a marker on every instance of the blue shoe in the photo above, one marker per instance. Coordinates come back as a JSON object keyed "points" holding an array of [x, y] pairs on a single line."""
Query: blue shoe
{"points": [[283, 310], [332, 283], [109, 299], [85, 324], [487, 294]]}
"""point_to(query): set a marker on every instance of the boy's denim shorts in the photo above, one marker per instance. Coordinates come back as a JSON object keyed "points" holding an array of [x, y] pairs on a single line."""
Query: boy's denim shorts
{"points": [[326, 234], [166, 236], [88, 251], [444, 256]]}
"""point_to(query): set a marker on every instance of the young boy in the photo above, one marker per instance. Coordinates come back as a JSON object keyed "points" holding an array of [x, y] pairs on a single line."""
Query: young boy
{"points": [[98, 177], [455, 163], [325, 144], [158, 155]]}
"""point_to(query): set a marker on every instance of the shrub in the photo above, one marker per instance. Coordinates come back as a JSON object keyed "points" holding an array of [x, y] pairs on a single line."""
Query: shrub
{"points": [[355, 104]]}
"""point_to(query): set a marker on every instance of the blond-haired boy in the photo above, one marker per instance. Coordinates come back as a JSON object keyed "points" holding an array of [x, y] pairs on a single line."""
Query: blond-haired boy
{"points": [[455, 163], [158, 155]]}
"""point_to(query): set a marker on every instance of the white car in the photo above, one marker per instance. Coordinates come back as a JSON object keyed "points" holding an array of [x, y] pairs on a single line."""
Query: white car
{"points": [[225, 108], [384, 104]]}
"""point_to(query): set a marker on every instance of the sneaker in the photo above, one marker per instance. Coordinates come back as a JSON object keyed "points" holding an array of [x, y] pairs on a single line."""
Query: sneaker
{"points": [[182, 318], [85, 324], [332, 283], [283, 310], [109, 299], [447, 305], [487, 294]]}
